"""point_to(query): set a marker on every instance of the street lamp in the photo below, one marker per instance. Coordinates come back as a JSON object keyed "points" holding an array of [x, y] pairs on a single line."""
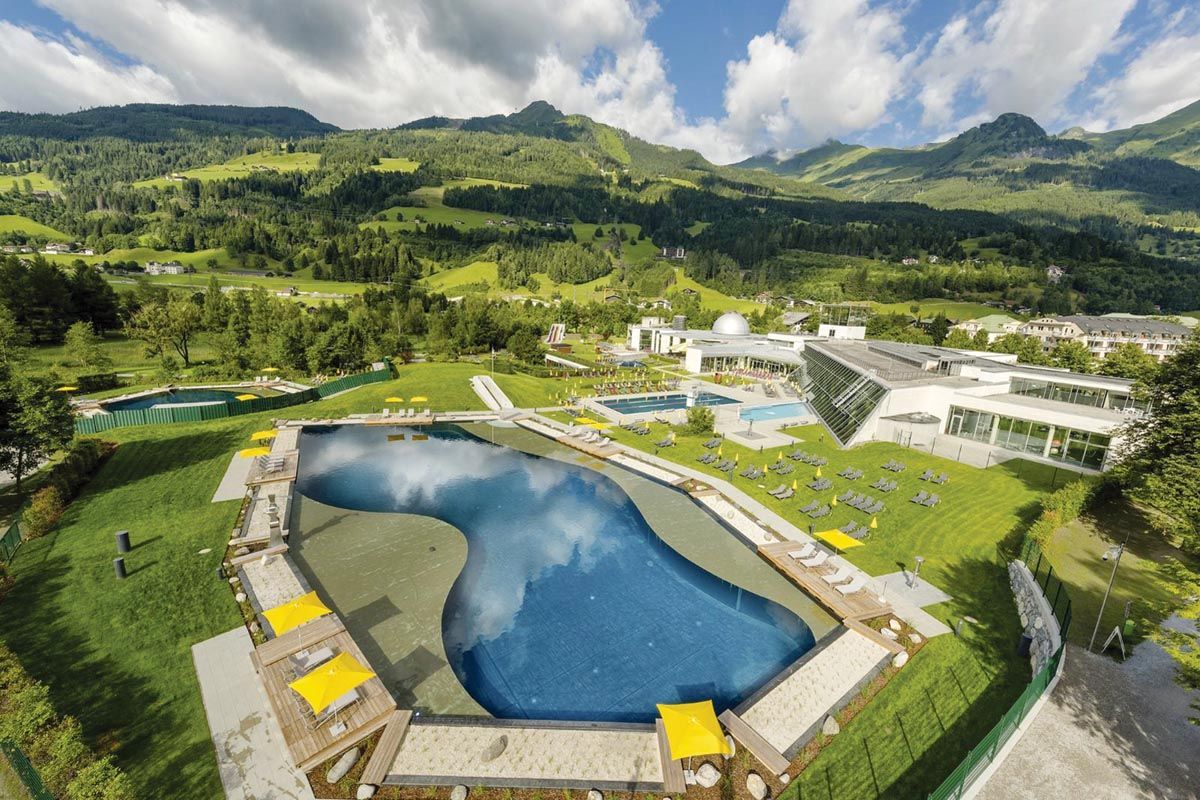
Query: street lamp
{"points": [[1111, 554], [917, 570]]}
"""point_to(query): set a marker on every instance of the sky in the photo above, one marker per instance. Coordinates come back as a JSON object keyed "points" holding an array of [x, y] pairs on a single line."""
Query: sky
{"points": [[730, 79]]}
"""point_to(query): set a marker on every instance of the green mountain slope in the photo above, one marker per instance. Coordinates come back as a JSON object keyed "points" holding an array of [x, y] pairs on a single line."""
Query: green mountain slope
{"points": [[1175, 137], [150, 122]]}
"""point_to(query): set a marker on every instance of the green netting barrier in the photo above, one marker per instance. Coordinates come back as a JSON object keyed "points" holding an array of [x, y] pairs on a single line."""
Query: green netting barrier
{"points": [[167, 414], [25, 772], [984, 753], [11, 539]]}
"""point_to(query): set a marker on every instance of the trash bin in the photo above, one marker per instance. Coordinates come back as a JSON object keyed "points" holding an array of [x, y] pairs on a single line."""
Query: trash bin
{"points": [[1025, 645], [119, 568], [123, 545]]}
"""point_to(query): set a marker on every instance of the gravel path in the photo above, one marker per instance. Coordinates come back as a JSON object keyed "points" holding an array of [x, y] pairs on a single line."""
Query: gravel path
{"points": [[1110, 731]]}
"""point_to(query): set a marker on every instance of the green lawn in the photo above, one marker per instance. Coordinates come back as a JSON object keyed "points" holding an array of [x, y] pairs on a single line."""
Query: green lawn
{"points": [[396, 165], [38, 182], [243, 166], [16, 222], [955, 310]]}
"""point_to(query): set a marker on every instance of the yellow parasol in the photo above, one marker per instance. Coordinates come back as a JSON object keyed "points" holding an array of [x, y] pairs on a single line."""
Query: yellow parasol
{"points": [[838, 539], [67, 389], [833, 502], [262, 436], [254, 452], [795, 484], [295, 613], [393, 399], [693, 730], [874, 523], [419, 399], [331, 680], [270, 369], [246, 397], [818, 472], [720, 448], [779, 456]]}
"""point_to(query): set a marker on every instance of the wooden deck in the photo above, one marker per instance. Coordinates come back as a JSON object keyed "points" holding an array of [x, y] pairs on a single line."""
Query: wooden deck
{"points": [[672, 770], [307, 746], [604, 451], [759, 747], [858, 606], [385, 752]]}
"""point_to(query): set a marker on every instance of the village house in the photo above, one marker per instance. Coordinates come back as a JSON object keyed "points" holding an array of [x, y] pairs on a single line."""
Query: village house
{"points": [[56, 248], [675, 253], [1102, 335], [1054, 273], [996, 325], [167, 268]]}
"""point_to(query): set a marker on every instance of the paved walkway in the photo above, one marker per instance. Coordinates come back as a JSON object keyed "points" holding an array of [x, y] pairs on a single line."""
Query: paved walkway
{"points": [[1110, 731], [561, 756], [233, 484], [249, 744]]}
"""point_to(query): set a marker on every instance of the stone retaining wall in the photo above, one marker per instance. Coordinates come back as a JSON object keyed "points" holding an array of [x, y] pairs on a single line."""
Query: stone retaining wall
{"points": [[1037, 618]]}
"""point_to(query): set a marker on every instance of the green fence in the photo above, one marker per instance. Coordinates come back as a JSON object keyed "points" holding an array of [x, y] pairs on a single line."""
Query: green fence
{"points": [[166, 414], [25, 771], [11, 539], [984, 753]]}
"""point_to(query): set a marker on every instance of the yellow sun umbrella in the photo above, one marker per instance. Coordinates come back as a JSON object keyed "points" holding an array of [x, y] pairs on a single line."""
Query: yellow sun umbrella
{"points": [[254, 452], [838, 539], [262, 436], [720, 449], [331, 680], [833, 502], [295, 613], [246, 397], [795, 484], [419, 399], [270, 369], [737, 457], [874, 523], [393, 399], [67, 389], [779, 456], [693, 730], [818, 472]]}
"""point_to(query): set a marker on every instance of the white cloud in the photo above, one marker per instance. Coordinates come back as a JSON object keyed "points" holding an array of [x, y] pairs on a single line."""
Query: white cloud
{"points": [[1162, 78], [1026, 56]]}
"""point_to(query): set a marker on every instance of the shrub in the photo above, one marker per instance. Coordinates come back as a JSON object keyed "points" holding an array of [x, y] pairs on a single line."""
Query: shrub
{"points": [[43, 513], [97, 382], [700, 420], [1064, 505]]}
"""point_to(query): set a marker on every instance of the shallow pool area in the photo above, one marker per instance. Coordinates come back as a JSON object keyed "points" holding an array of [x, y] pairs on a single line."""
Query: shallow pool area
{"points": [[778, 411], [569, 606], [172, 397], [664, 402]]}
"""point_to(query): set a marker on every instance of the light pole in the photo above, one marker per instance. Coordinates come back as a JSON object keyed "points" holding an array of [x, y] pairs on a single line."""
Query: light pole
{"points": [[917, 570], [1115, 554]]}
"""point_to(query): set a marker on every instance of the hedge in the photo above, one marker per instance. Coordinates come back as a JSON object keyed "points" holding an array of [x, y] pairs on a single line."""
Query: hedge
{"points": [[63, 481], [1064, 505], [53, 743]]}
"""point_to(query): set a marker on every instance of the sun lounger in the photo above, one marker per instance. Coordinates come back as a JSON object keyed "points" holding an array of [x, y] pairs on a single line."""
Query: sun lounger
{"points": [[797, 455], [305, 662], [711, 443], [812, 506], [931, 501], [845, 473], [816, 559], [874, 508], [861, 532], [786, 469], [823, 511], [879, 484], [749, 471], [786, 495], [755, 474], [341, 704], [920, 497], [888, 465], [853, 475], [805, 550], [819, 462], [940, 479], [839, 575], [847, 528], [926, 475], [856, 584], [724, 466], [845, 496], [778, 490], [900, 467]]}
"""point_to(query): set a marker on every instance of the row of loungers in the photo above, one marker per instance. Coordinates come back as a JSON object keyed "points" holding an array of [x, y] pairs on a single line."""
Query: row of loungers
{"points": [[590, 437], [928, 475], [712, 443], [800, 455], [850, 474], [637, 427], [781, 468], [865, 503], [924, 498], [895, 466], [884, 485], [843, 578], [855, 531]]}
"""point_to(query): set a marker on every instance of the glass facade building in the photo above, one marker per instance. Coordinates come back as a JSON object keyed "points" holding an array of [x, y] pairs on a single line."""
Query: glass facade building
{"points": [[843, 397], [1078, 395], [1058, 443]]}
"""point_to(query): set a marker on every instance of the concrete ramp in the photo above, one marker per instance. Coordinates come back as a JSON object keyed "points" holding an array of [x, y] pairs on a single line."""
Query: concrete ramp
{"points": [[492, 395]]}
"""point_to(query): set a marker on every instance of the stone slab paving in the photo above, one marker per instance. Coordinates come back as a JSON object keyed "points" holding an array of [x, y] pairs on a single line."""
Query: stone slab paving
{"points": [[562, 756], [233, 482], [272, 583], [646, 469], [1109, 731], [798, 703], [259, 526], [249, 745]]}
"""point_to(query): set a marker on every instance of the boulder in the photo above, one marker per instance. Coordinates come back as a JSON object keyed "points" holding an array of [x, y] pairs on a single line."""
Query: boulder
{"points": [[756, 786], [459, 792], [495, 749], [915, 638], [235, 580], [205, 551], [732, 747], [593, 794], [830, 726], [900, 660], [895, 625], [242, 551], [707, 776], [240, 597], [888, 633], [343, 765], [365, 791], [254, 627], [784, 779]]}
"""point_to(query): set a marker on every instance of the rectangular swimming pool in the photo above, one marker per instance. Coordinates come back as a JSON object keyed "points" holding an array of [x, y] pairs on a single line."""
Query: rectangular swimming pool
{"points": [[664, 402], [780, 411]]}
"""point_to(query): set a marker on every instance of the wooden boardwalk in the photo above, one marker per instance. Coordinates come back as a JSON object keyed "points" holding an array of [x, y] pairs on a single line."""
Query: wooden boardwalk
{"points": [[307, 745], [858, 606], [759, 747], [672, 770], [385, 751]]}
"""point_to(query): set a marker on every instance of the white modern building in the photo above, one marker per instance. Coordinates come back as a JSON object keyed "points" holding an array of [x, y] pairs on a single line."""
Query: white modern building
{"points": [[1102, 335], [167, 268]]}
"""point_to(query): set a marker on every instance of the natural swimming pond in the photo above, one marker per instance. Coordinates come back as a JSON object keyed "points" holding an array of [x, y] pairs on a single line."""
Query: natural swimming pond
{"points": [[664, 402], [569, 605], [173, 397]]}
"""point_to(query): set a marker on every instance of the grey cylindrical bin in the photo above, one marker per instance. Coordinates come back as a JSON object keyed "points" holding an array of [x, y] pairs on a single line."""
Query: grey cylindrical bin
{"points": [[123, 545], [119, 568], [1024, 645]]}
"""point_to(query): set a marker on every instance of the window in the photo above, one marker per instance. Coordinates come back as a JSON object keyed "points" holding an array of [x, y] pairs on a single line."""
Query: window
{"points": [[1069, 446], [844, 398]]}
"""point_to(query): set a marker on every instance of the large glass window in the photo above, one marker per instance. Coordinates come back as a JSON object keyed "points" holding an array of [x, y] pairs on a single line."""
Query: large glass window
{"points": [[1080, 448], [844, 398], [1068, 393]]}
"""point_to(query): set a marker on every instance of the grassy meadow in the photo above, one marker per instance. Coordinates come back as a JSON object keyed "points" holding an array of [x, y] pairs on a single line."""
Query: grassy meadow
{"points": [[10, 223], [243, 166], [38, 182]]}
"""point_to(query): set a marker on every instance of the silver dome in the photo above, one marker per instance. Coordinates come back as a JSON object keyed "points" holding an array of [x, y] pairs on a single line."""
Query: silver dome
{"points": [[731, 323]]}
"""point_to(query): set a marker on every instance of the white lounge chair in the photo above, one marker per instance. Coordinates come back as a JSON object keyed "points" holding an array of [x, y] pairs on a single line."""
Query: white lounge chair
{"points": [[815, 560], [856, 584], [839, 575], [803, 552]]}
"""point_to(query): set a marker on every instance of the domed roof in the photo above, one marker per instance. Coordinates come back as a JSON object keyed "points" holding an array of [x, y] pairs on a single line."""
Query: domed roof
{"points": [[731, 323]]}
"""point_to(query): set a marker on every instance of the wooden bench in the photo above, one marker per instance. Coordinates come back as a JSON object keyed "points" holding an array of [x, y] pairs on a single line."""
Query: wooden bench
{"points": [[759, 747], [385, 751]]}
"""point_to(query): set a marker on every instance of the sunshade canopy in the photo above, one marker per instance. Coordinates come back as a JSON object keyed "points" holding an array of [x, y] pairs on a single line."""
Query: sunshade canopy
{"points": [[295, 613], [330, 681], [262, 436], [393, 399], [838, 539], [270, 369], [693, 730], [419, 399], [67, 389], [246, 397], [254, 452]]}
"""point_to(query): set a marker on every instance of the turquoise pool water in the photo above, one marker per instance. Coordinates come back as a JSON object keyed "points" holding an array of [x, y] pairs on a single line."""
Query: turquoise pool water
{"points": [[780, 411], [569, 606], [663, 402], [173, 396]]}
